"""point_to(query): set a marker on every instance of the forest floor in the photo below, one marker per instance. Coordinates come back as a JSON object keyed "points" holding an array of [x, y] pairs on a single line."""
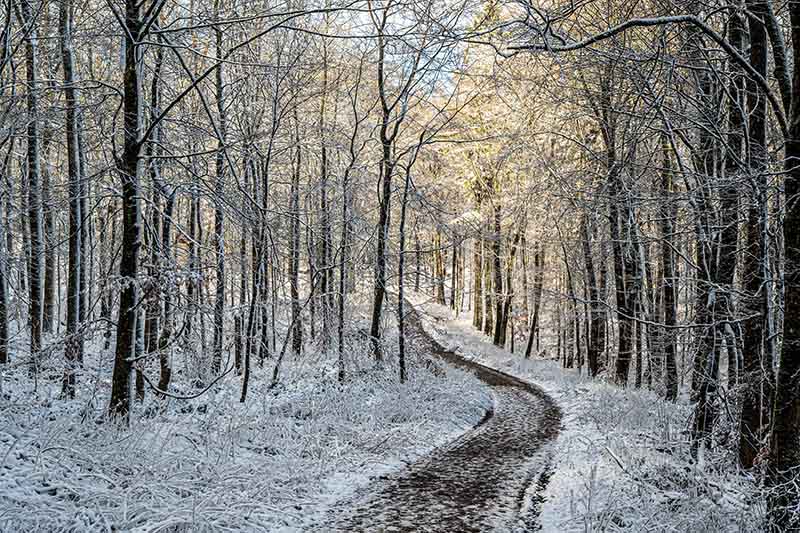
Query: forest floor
{"points": [[305, 454], [276, 463], [621, 461]]}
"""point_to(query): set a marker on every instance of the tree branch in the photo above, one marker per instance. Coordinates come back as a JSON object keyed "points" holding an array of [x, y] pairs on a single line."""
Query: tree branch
{"points": [[666, 21]]}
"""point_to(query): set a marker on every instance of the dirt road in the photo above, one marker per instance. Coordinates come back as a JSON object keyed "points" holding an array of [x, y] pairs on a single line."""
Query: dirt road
{"points": [[490, 479]]}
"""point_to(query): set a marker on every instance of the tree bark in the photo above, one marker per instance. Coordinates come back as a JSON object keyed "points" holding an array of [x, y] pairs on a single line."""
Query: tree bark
{"points": [[119, 406], [294, 254], [538, 284], [622, 283], [35, 261], [670, 294], [72, 345], [784, 449], [219, 215], [497, 269], [439, 268], [757, 366], [509, 292], [477, 283]]}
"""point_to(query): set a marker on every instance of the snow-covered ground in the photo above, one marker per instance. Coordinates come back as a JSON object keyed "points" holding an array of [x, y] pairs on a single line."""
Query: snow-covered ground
{"points": [[621, 461], [276, 463]]}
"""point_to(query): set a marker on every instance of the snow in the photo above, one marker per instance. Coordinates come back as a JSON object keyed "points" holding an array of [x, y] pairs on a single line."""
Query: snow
{"points": [[281, 461], [276, 463], [621, 461]]}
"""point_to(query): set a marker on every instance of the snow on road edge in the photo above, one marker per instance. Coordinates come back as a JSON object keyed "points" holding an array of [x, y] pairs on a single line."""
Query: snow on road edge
{"points": [[620, 462]]}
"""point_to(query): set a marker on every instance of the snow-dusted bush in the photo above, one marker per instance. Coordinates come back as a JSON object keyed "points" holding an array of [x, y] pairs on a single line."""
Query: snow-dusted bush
{"points": [[213, 464]]}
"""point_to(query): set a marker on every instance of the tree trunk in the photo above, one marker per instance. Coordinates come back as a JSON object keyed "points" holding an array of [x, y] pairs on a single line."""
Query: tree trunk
{"points": [[219, 216], [670, 294], [401, 319], [488, 291], [138, 352], [477, 283], [757, 366], [6, 250], [624, 301], [784, 449], [294, 254], [119, 405], [509, 293], [73, 341], [454, 277], [326, 242], [388, 132], [87, 244], [36, 237], [418, 257], [538, 284], [49, 311], [168, 327], [497, 269], [596, 319], [441, 269]]}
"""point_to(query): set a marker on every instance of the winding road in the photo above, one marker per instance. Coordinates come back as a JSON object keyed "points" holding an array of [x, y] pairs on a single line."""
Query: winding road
{"points": [[490, 479]]}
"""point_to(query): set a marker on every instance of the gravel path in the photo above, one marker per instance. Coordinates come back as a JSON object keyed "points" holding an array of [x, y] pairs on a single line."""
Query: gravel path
{"points": [[491, 478]]}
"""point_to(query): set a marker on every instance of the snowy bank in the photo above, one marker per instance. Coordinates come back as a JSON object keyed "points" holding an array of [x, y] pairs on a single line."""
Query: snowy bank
{"points": [[621, 461], [275, 463]]}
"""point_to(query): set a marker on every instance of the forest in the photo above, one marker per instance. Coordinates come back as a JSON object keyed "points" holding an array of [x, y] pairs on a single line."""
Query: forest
{"points": [[399, 265]]}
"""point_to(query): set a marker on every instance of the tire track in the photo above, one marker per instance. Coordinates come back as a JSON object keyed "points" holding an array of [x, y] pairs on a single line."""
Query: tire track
{"points": [[491, 478]]}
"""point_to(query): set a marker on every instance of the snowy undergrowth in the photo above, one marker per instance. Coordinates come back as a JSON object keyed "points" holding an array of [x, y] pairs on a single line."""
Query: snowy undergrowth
{"points": [[275, 463], [621, 461]]}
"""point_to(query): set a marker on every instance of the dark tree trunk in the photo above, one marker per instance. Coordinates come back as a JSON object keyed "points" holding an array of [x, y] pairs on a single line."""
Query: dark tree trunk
{"points": [[401, 318], [454, 277], [343, 256], [538, 284], [49, 311], [119, 405], [729, 199], [574, 321], [138, 352], [670, 294], [388, 133], [168, 327], [6, 252], [87, 244], [153, 290], [219, 216], [784, 448], [477, 284], [525, 287], [622, 283], [597, 322], [489, 290], [326, 241], [311, 256], [757, 365], [157, 246], [73, 341], [108, 253], [439, 268], [497, 269], [294, 254], [35, 237], [418, 258], [509, 293]]}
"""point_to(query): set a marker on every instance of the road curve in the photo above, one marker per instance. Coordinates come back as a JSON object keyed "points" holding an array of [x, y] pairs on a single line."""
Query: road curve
{"points": [[490, 479]]}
